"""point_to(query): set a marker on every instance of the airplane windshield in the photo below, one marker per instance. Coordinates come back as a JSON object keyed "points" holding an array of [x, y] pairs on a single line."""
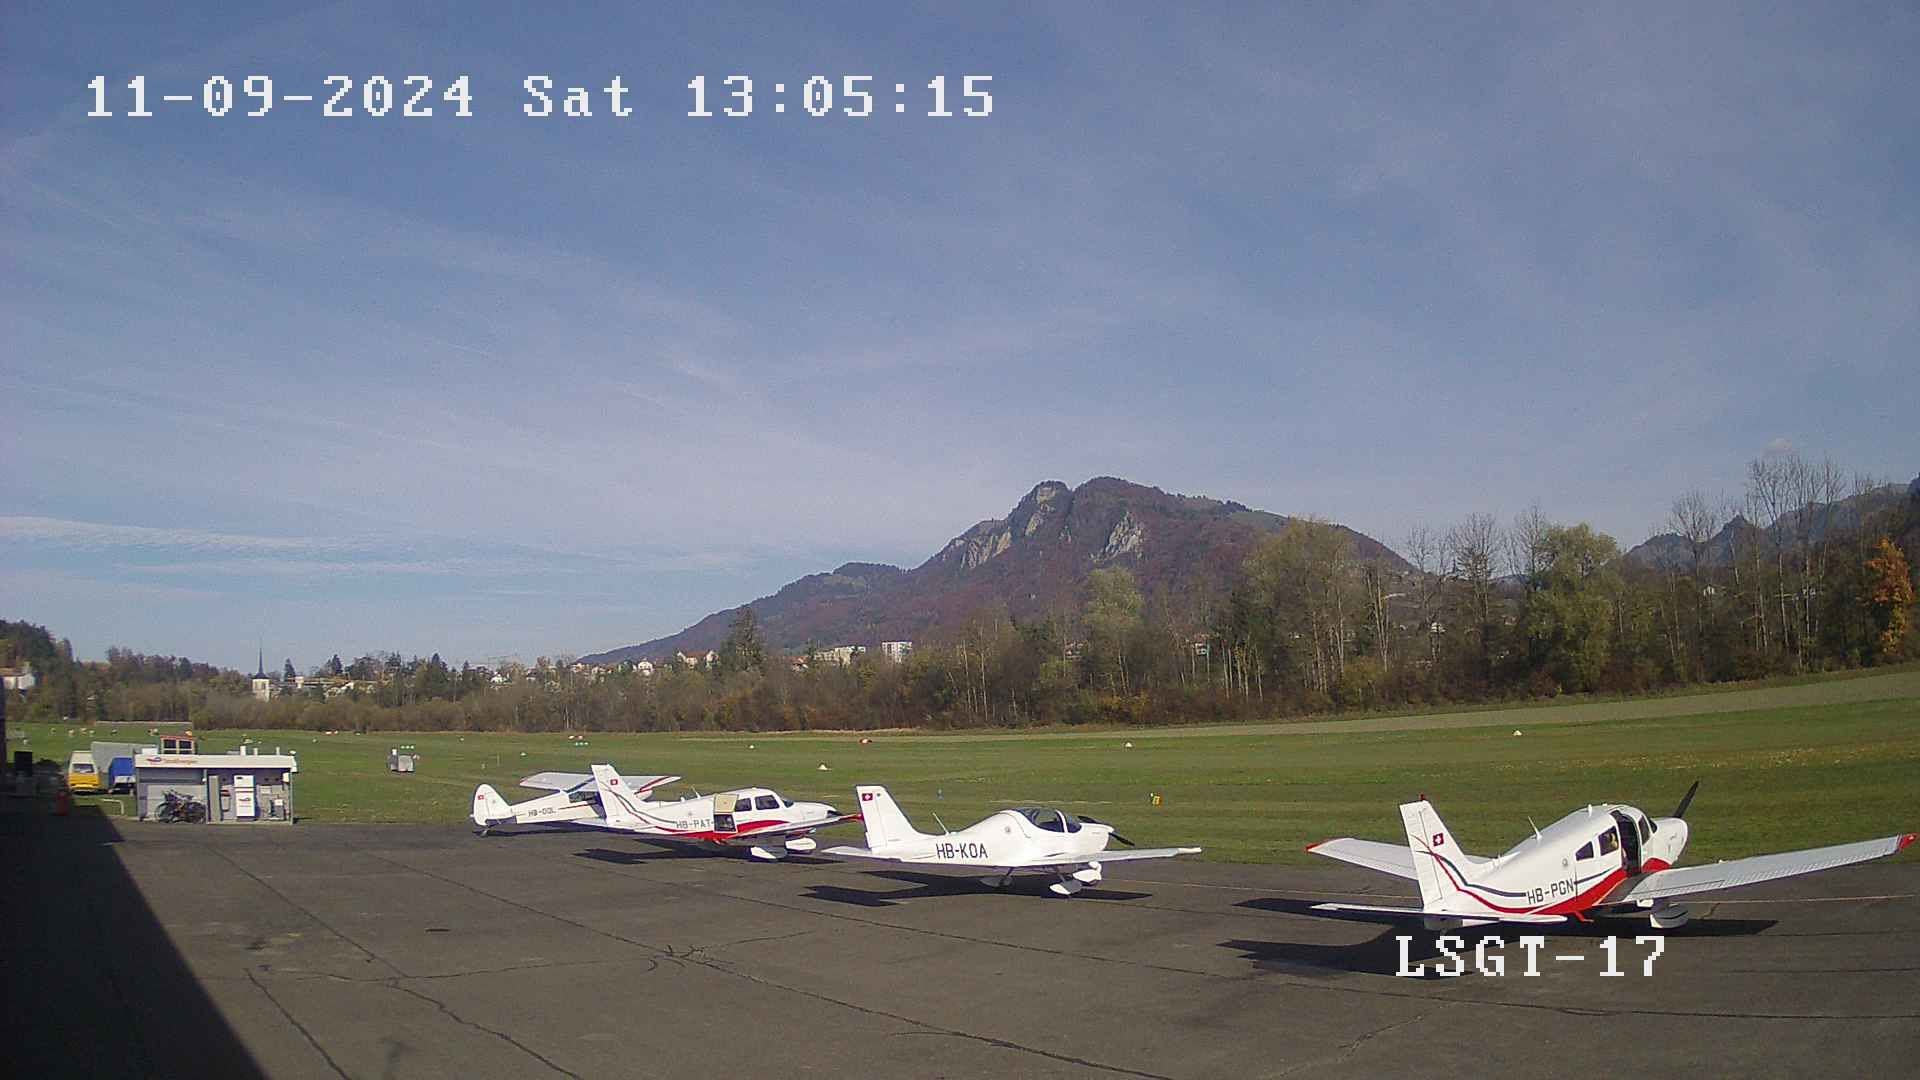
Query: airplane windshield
{"points": [[1046, 817]]}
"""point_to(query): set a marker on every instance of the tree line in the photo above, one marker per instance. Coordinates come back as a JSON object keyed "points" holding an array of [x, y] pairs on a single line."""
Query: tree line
{"points": [[1489, 610]]}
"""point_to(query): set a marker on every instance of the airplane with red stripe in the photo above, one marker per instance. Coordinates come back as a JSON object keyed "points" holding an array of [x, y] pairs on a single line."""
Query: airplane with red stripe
{"points": [[1608, 859], [765, 823]]}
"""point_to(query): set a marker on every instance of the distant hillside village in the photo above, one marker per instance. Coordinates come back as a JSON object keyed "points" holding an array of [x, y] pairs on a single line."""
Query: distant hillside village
{"points": [[369, 674]]}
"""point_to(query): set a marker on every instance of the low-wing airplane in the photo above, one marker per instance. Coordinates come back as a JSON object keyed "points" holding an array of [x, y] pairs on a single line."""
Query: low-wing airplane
{"points": [[1027, 839], [765, 823], [1608, 859], [574, 798]]}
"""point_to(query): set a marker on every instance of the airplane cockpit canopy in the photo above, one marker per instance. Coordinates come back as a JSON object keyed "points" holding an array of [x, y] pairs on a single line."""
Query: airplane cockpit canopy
{"points": [[1050, 819]]}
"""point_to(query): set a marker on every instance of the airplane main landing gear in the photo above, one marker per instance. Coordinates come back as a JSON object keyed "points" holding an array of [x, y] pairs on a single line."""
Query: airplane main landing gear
{"points": [[1669, 918], [1074, 882]]}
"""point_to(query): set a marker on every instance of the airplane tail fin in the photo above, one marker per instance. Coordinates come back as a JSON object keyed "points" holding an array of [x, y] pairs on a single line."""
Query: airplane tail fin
{"points": [[883, 819], [1434, 852], [488, 807], [617, 800]]}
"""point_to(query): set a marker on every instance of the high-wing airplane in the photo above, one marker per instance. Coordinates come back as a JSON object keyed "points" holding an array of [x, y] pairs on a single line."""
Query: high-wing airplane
{"points": [[574, 797], [1027, 839], [1604, 860], [765, 823]]}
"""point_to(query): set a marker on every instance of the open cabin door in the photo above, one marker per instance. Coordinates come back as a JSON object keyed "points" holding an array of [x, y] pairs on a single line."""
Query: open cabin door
{"points": [[1629, 842], [724, 805]]}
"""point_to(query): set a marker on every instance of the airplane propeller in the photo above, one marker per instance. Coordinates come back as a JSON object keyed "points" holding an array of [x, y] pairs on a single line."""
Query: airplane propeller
{"points": [[1686, 801], [1116, 837]]}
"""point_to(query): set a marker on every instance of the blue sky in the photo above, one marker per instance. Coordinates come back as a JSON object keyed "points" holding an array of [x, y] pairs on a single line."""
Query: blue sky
{"points": [[513, 386]]}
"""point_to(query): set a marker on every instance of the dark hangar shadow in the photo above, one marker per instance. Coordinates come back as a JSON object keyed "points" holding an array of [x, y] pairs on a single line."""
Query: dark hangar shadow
{"points": [[95, 984]]}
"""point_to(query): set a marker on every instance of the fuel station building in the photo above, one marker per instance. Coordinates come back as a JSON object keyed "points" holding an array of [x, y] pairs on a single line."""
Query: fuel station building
{"points": [[237, 789]]}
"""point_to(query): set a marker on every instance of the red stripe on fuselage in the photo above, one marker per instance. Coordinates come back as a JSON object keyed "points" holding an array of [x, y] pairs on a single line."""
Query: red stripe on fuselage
{"points": [[1569, 906]]}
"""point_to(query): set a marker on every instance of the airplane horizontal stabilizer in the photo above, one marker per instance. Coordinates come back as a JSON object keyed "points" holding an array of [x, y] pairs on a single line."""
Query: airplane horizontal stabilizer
{"points": [[1395, 859]]}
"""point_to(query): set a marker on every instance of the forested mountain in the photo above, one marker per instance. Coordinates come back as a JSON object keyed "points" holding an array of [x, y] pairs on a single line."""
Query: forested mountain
{"points": [[1183, 550]]}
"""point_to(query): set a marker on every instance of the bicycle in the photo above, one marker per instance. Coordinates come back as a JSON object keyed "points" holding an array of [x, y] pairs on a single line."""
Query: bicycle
{"points": [[178, 807]]}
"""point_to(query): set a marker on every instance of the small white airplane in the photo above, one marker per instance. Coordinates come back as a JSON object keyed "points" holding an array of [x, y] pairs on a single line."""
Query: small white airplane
{"points": [[574, 798], [765, 823], [1029, 839], [1608, 859]]}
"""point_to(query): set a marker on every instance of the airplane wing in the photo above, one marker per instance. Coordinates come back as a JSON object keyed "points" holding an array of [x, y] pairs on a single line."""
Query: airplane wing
{"points": [[1395, 859], [1046, 863], [568, 781], [755, 835], [1687, 880], [1127, 855]]}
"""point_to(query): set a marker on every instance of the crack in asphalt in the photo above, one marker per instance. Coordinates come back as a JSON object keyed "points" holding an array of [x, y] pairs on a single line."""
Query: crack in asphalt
{"points": [[501, 1035], [297, 906], [1287, 980], [693, 955], [297, 1025], [1346, 1050]]}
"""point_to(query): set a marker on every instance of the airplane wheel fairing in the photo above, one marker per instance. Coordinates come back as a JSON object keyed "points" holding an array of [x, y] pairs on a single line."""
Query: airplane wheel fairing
{"points": [[1669, 918], [1066, 887], [802, 844]]}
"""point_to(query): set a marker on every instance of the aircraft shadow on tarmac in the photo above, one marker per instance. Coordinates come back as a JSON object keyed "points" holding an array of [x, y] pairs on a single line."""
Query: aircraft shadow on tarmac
{"points": [[925, 885], [670, 853], [1380, 955]]}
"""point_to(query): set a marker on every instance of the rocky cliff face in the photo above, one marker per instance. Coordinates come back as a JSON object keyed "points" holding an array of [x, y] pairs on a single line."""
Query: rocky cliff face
{"points": [[1182, 548]]}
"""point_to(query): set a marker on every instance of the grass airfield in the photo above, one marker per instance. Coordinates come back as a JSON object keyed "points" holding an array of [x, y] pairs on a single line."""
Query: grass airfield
{"points": [[1781, 767]]}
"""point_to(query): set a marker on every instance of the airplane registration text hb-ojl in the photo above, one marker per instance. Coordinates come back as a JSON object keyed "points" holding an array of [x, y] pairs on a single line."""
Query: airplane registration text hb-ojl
{"points": [[1609, 859]]}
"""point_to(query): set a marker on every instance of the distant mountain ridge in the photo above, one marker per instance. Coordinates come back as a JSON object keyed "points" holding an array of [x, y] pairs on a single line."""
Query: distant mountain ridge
{"points": [[1671, 551], [1035, 560]]}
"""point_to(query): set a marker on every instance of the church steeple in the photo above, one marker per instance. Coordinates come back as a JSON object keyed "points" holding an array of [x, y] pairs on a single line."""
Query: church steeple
{"points": [[261, 671]]}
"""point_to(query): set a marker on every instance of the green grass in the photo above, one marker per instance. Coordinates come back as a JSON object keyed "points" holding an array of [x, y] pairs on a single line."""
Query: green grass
{"points": [[1796, 767]]}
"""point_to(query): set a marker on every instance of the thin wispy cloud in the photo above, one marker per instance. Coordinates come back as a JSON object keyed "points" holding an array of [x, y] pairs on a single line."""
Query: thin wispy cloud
{"points": [[98, 536], [1387, 266]]}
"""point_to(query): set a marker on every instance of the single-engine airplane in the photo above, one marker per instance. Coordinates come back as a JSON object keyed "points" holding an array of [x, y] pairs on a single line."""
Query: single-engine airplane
{"points": [[1027, 839], [1604, 860], [765, 823], [574, 799]]}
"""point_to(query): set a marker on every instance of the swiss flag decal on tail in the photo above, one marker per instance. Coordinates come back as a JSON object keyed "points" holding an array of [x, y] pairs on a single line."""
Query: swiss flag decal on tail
{"points": [[1439, 839], [866, 796]]}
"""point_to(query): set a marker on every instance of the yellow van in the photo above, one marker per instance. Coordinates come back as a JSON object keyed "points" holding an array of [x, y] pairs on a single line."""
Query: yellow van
{"points": [[81, 773]]}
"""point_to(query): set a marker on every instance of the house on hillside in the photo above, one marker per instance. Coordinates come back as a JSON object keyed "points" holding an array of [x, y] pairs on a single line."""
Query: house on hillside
{"points": [[20, 678], [896, 651], [840, 654]]}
